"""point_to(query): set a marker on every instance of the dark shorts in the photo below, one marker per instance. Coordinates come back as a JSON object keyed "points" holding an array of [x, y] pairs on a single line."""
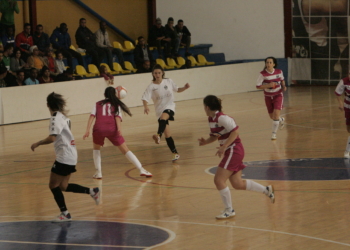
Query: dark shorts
{"points": [[171, 115], [347, 117], [62, 169]]}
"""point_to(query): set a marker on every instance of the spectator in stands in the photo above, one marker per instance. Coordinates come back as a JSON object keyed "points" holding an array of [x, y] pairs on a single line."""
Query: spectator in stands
{"points": [[185, 36], [31, 80], [9, 37], [146, 67], [142, 53], [61, 41], [87, 40], [66, 76], [35, 61], [158, 37], [2, 64], [18, 80], [187, 65], [24, 41], [102, 41], [3, 74], [61, 68], [51, 63], [107, 76], [7, 8], [45, 78], [41, 39], [8, 51], [175, 39], [16, 62]]}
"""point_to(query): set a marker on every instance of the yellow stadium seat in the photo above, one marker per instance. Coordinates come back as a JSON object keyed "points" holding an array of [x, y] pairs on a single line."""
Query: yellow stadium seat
{"points": [[82, 72], [93, 69], [171, 62], [128, 45], [162, 63], [118, 68], [129, 66], [181, 61], [202, 59], [194, 61], [72, 47], [116, 72], [117, 45]]}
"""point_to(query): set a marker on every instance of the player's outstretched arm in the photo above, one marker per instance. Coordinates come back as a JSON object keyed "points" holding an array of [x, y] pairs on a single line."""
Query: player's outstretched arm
{"points": [[340, 103], [284, 86], [187, 85], [203, 141], [87, 132], [47, 140], [145, 107]]}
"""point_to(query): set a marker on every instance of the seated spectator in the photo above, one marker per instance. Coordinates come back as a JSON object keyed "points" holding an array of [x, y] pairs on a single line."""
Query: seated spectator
{"points": [[187, 65], [61, 41], [31, 80], [8, 51], [175, 39], [24, 41], [2, 64], [9, 37], [185, 36], [102, 41], [142, 53], [45, 78], [65, 76], [35, 61], [107, 76], [146, 68], [41, 40], [59, 62], [19, 79], [158, 37], [3, 74], [16, 62], [51, 63], [87, 40]]}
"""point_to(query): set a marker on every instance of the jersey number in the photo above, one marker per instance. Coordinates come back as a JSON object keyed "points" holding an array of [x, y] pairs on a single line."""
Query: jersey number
{"points": [[106, 109]]}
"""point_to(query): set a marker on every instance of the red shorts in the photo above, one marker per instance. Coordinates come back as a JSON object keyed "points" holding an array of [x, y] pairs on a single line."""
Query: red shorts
{"points": [[233, 158], [347, 117], [115, 138], [274, 102]]}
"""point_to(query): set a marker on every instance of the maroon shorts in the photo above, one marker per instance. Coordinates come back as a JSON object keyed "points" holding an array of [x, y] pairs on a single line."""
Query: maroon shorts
{"points": [[233, 158], [115, 138], [274, 102], [347, 117]]}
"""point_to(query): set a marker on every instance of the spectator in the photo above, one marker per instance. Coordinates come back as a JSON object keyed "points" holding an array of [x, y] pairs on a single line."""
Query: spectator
{"points": [[9, 37], [87, 40], [107, 76], [51, 62], [18, 80], [35, 61], [16, 62], [142, 53], [32, 78], [185, 36], [7, 8], [146, 67], [61, 41], [45, 78], [61, 68], [2, 64], [102, 41], [41, 40], [65, 76], [7, 53], [175, 39], [187, 65], [3, 74], [24, 41], [159, 37]]}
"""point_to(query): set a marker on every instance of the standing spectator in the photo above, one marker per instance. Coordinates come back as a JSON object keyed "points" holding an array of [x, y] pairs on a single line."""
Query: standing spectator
{"points": [[87, 40], [7, 53], [175, 39], [146, 68], [142, 53], [61, 41], [18, 80], [3, 74], [35, 61], [107, 76], [7, 8], [185, 36], [51, 63], [24, 41], [158, 37], [59, 62], [9, 37], [45, 78], [41, 40], [16, 62], [32, 78], [102, 41]]}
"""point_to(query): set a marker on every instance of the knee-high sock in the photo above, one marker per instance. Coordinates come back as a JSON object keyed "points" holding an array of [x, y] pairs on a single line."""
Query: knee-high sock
{"points": [[133, 159], [161, 127], [256, 187], [275, 125], [171, 144], [226, 197], [59, 198], [348, 145], [97, 159], [75, 188]]}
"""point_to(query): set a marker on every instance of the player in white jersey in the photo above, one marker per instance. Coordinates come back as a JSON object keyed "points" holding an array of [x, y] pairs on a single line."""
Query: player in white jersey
{"points": [[161, 91], [225, 130], [66, 156]]}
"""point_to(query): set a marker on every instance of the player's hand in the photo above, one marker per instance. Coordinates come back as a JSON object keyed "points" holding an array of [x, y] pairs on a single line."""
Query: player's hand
{"points": [[202, 141], [146, 110], [284, 88], [341, 108], [86, 135], [34, 146], [187, 86], [272, 85], [221, 151]]}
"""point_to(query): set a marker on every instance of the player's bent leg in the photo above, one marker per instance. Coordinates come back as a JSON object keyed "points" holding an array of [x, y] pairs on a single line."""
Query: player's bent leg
{"points": [[55, 181], [171, 144], [133, 159], [237, 182]]}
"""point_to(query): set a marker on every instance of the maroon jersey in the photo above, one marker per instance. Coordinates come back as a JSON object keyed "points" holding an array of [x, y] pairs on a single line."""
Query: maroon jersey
{"points": [[344, 87], [266, 77], [105, 117]]}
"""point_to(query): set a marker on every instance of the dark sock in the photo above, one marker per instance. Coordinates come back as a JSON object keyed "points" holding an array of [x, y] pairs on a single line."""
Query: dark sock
{"points": [[75, 188], [171, 144], [161, 127], [59, 198]]}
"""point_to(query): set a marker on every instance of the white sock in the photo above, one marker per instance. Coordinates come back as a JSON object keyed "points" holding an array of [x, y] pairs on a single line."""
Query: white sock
{"points": [[348, 145], [256, 187], [133, 159], [97, 159], [226, 197], [65, 212], [275, 125]]}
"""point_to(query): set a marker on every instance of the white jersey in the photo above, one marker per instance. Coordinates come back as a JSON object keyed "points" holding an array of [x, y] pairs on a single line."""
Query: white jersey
{"points": [[64, 144], [162, 95]]}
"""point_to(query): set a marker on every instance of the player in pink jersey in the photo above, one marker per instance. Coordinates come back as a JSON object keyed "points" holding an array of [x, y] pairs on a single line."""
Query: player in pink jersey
{"points": [[108, 114], [271, 80], [224, 129], [344, 105]]}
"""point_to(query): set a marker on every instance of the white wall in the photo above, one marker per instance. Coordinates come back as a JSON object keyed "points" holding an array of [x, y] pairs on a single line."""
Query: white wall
{"points": [[242, 29]]}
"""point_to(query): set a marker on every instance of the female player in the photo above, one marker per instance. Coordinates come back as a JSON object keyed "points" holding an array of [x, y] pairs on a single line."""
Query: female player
{"points": [[161, 91], [108, 124], [344, 105], [66, 156], [224, 129], [271, 80]]}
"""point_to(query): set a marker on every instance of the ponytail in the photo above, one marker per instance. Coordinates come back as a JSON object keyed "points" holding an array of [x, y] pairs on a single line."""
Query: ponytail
{"points": [[111, 97]]}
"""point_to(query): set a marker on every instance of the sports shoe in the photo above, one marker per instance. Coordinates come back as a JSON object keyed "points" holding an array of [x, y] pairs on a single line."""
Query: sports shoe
{"points": [[62, 218], [97, 175], [96, 195], [175, 157], [274, 136], [346, 154], [226, 214], [156, 138], [144, 172], [281, 122], [270, 193]]}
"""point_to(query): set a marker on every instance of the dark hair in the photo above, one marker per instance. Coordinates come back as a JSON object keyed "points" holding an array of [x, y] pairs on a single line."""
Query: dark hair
{"points": [[139, 38], [110, 94], [212, 102], [8, 46], [15, 51], [20, 71], [170, 19], [102, 69], [273, 59], [180, 21], [25, 25], [157, 66], [58, 52], [56, 102], [81, 19], [39, 26], [44, 69]]}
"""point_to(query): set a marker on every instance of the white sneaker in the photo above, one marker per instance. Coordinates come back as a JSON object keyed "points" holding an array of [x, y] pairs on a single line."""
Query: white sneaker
{"points": [[175, 157], [96, 195], [346, 154], [274, 136], [281, 122], [270, 193], [97, 175], [62, 218], [226, 214], [156, 138], [144, 172]]}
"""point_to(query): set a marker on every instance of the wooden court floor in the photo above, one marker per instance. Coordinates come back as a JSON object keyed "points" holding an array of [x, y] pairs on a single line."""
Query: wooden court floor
{"points": [[181, 198]]}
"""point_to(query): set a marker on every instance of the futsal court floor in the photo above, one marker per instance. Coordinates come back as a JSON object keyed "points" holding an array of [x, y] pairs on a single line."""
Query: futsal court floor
{"points": [[176, 208]]}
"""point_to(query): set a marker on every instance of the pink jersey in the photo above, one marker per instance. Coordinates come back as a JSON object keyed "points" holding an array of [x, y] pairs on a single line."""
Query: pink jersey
{"points": [[266, 77], [344, 87], [222, 125], [105, 117]]}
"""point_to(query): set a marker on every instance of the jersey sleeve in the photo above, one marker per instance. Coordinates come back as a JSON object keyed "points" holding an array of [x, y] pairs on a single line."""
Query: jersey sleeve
{"points": [[260, 80], [147, 95], [174, 86], [282, 76], [227, 122], [119, 114], [56, 125], [339, 90], [93, 112]]}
